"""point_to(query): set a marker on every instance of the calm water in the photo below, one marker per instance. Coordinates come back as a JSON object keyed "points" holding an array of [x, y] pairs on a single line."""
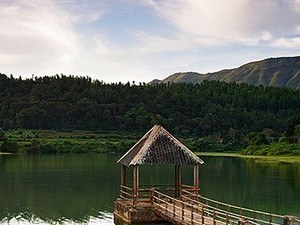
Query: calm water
{"points": [[72, 189]]}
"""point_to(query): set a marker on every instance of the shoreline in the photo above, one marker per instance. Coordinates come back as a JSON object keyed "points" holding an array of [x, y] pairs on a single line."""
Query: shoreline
{"points": [[5, 153], [257, 158]]}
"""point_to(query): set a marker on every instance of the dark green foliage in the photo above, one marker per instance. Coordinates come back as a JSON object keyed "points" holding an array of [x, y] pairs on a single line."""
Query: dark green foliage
{"points": [[273, 149], [10, 147], [2, 135], [260, 143], [261, 139], [209, 108], [53, 142], [48, 147], [293, 129], [213, 115]]}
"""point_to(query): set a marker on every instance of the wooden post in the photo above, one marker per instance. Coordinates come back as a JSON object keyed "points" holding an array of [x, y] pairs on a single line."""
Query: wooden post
{"points": [[135, 184], [270, 220], [196, 179], [182, 211], [178, 181], [227, 217], [176, 193], [151, 196], [214, 217], [242, 221], [123, 179], [290, 220], [123, 175], [192, 214], [173, 210], [202, 215]]}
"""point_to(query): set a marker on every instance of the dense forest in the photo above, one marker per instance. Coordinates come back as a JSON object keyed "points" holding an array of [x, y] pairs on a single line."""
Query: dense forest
{"points": [[216, 111]]}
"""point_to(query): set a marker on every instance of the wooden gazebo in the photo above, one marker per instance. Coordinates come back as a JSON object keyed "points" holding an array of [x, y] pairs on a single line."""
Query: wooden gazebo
{"points": [[158, 147]]}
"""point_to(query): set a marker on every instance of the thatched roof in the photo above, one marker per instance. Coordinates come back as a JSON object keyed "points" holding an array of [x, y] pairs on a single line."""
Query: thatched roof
{"points": [[158, 146]]}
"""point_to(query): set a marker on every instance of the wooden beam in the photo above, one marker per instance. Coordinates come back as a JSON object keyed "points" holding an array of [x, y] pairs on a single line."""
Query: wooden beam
{"points": [[179, 180], [135, 184], [123, 175], [196, 178], [176, 194], [123, 179]]}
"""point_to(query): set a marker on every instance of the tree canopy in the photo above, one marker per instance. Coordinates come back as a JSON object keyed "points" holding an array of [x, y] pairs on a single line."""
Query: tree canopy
{"points": [[209, 108]]}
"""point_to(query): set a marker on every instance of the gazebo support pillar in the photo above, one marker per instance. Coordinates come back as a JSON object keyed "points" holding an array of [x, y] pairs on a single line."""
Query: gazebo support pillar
{"points": [[178, 181], [196, 179], [123, 179], [135, 184]]}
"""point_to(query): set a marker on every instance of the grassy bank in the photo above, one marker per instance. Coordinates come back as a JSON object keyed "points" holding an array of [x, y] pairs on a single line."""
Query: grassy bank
{"points": [[52, 142], [74, 141], [257, 158], [273, 149], [5, 153]]}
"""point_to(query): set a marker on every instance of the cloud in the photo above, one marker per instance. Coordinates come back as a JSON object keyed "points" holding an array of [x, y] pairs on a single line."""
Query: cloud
{"points": [[295, 4], [287, 42], [233, 20], [149, 44], [84, 11], [266, 36], [35, 32], [45, 37]]}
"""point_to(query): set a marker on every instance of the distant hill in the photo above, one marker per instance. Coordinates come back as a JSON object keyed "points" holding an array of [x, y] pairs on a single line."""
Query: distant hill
{"points": [[155, 81], [279, 72]]}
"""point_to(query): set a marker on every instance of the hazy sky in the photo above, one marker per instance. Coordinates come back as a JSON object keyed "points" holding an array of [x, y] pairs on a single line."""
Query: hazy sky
{"points": [[126, 40]]}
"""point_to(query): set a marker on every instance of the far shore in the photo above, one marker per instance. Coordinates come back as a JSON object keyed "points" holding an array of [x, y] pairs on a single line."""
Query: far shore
{"points": [[5, 153], [257, 158]]}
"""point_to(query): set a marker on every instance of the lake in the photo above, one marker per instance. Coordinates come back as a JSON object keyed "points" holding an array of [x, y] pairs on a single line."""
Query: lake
{"points": [[79, 188]]}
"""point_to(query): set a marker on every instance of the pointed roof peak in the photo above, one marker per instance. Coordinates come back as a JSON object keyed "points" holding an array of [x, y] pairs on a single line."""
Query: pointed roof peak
{"points": [[158, 146]]}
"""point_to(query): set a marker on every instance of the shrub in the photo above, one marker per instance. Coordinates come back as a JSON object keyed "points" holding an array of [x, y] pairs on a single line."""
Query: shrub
{"points": [[10, 146], [2, 135]]}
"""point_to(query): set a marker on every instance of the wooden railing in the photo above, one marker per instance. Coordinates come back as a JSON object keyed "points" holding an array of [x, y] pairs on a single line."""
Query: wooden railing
{"points": [[126, 192], [177, 211], [230, 213], [192, 208], [196, 209]]}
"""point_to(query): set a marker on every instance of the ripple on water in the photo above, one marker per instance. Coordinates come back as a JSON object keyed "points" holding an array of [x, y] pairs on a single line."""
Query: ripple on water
{"points": [[106, 218]]}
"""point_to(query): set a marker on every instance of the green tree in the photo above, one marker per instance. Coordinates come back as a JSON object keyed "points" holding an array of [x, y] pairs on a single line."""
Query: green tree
{"points": [[10, 146], [2, 135]]}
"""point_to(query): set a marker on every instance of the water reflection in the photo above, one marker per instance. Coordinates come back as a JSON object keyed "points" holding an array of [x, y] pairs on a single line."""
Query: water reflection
{"points": [[106, 220], [118, 221], [58, 188], [268, 187], [82, 188]]}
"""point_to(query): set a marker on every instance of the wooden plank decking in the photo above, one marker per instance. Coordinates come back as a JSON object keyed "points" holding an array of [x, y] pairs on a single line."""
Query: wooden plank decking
{"points": [[188, 216], [182, 213], [192, 209]]}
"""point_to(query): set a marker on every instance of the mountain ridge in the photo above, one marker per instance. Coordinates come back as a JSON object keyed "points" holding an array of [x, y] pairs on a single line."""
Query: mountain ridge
{"points": [[278, 72]]}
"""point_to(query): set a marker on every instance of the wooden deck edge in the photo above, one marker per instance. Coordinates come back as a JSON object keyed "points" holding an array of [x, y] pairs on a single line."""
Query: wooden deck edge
{"points": [[118, 216], [144, 213], [168, 219]]}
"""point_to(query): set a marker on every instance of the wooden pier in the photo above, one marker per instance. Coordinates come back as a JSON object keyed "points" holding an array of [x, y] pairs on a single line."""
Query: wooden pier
{"points": [[178, 204], [192, 209]]}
